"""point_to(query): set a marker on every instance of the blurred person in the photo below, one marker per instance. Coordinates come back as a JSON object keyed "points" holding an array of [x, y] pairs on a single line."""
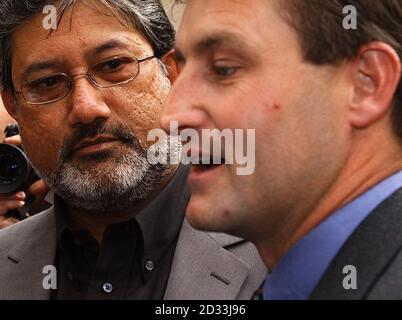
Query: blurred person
{"points": [[324, 204], [5, 120], [13, 201]]}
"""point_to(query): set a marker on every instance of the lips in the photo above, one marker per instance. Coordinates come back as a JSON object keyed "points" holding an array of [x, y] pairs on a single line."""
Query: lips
{"points": [[206, 175], [92, 142], [203, 161], [202, 157]]}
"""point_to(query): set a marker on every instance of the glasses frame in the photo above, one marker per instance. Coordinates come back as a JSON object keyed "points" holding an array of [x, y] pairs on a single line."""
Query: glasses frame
{"points": [[70, 79]]}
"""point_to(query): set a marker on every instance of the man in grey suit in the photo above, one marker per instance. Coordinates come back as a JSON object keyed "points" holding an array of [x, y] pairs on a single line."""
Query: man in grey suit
{"points": [[320, 83], [86, 81]]}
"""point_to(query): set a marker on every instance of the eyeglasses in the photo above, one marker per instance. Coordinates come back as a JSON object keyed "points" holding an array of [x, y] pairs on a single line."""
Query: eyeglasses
{"points": [[112, 72]]}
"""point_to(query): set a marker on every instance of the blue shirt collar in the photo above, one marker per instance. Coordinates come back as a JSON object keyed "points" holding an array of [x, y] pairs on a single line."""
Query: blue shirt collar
{"points": [[300, 270]]}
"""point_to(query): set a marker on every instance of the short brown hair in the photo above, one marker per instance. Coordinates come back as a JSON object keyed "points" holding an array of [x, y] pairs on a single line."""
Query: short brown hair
{"points": [[319, 24]]}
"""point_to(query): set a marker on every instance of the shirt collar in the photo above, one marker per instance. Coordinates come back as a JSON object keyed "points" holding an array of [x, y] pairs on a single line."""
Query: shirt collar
{"points": [[300, 270], [160, 221]]}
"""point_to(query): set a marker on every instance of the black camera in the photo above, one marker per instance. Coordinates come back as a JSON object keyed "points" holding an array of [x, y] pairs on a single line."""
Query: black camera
{"points": [[16, 173]]}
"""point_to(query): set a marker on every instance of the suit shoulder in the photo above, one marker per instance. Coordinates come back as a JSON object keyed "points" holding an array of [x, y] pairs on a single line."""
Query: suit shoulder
{"points": [[25, 229], [389, 283], [374, 250], [202, 259]]}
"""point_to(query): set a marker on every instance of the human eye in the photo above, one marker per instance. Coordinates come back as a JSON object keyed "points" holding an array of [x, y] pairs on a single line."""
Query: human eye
{"points": [[114, 64], [46, 83], [223, 69]]}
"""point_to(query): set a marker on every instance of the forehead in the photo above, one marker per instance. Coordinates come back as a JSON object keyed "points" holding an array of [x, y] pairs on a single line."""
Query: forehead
{"points": [[82, 27], [252, 22]]}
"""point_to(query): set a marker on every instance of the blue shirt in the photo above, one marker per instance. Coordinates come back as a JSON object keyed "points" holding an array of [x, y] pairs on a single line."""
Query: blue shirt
{"points": [[300, 270]]}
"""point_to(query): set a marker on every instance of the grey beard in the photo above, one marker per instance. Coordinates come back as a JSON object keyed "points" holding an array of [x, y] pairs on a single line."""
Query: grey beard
{"points": [[128, 182]]}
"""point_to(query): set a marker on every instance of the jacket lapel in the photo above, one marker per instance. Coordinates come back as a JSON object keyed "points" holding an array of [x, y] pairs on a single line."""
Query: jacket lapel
{"points": [[30, 255], [203, 269], [370, 248]]}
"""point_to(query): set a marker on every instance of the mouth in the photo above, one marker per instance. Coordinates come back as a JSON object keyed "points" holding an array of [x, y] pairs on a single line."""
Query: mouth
{"points": [[206, 164], [204, 174], [96, 144]]}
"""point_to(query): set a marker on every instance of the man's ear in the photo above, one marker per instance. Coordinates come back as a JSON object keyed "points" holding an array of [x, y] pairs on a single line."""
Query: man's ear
{"points": [[376, 75], [169, 59], [10, 102]]}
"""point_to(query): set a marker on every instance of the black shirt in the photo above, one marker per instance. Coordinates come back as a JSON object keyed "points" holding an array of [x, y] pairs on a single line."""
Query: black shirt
{"points": [[134, 258]]}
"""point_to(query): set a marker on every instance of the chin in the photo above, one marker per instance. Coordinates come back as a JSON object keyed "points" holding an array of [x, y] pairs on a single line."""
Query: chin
{"points": [[206, 217]]}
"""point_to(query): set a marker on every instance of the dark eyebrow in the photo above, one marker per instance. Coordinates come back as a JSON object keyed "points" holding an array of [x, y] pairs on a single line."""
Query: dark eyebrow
{"points": [[213, 41], [40, 66], [52, 64], [109, 45]]}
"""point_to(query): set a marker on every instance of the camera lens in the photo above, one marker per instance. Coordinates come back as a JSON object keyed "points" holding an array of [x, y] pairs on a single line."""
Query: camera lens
{"points": [[14, 168], [9, 167]]}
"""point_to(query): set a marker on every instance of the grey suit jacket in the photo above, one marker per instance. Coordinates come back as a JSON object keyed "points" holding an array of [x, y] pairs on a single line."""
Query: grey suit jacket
{"points": [[375, 250], [205, 265]]}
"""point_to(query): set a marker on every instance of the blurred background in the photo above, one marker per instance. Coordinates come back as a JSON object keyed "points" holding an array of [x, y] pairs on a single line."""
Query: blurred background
{"points": [[5, 119], [174, 11]]}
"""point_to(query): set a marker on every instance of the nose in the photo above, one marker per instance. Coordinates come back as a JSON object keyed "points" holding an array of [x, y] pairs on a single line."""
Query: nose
{"points": [[184, 105], [87, 103]]}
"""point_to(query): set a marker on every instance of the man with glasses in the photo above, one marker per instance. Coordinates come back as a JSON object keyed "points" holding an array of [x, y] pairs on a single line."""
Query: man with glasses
{"points": [[115, 71], [85, 97]]}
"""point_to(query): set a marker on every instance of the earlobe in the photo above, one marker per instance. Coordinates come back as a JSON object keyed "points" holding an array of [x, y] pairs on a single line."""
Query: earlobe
{"points": [[376, 74], [170, 62], [10, 103]]}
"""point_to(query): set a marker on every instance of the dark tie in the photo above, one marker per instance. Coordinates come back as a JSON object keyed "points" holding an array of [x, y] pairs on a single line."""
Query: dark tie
{"points": [[259, 293]]}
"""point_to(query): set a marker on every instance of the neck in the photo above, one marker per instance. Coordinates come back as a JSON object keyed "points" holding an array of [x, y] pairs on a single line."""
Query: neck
{"points": [[368, 165], [96, 224]]}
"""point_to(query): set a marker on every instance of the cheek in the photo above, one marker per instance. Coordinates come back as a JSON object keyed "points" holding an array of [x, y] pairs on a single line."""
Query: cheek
{"points": [[41, 141], [258, 115], [142, 111], [143, 121], [246, 105]]}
